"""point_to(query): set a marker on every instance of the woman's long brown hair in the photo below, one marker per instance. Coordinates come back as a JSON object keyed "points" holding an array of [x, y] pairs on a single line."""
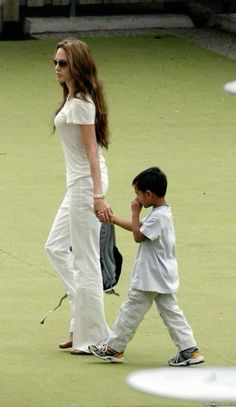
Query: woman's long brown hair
{"points": [[86, 82]]}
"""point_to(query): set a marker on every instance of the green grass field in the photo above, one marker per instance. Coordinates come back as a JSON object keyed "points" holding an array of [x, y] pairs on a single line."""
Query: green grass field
{"points": [[167, 108]]}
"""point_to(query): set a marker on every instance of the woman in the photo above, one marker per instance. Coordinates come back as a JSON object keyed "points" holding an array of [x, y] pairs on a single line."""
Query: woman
{"points": [[82, 125]]}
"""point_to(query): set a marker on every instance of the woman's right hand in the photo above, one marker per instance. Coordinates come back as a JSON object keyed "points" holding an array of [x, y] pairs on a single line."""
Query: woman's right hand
{"points": [[103, 210]]}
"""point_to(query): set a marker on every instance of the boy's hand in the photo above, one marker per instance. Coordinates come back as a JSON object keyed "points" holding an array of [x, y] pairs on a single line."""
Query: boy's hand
{"points": [[135, 206]]}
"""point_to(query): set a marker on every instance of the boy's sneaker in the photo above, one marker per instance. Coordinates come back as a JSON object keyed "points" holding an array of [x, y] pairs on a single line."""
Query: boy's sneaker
{"points": [[106, 353], [187, 357], [93, 348]]}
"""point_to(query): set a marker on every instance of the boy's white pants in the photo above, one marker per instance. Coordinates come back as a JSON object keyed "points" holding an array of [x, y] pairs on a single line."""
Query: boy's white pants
{"points": [[76, 225], [133, 310]]}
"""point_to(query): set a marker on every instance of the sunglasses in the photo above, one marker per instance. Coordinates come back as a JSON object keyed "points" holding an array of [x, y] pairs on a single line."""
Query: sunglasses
{"points": [[62, 63]]}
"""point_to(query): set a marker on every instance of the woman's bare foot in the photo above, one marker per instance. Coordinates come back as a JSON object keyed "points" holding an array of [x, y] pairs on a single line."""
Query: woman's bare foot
{"points": [[67, 344]]}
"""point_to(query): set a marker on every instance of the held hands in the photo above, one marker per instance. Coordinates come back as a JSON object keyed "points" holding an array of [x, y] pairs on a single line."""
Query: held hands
{"points": [[102, 210]]}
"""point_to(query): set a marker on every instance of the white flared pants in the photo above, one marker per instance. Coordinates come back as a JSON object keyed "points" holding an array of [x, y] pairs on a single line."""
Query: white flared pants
{"points": [[76, 225], [133, 310]]}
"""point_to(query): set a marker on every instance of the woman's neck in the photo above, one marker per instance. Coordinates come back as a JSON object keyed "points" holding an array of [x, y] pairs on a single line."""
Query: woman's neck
{"points": [[70, 88]]}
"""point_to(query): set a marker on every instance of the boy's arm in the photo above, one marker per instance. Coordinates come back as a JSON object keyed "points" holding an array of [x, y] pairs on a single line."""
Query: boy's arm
{"points": [[136, 224], [132, 225], [123, 223]]}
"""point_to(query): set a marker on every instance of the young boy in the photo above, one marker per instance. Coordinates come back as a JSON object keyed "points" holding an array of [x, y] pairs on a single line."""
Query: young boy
{"points": [[155, 275]]}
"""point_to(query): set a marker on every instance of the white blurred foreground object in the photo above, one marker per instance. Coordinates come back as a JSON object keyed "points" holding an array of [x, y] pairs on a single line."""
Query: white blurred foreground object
{"points": [[230, 87], [206, 384]]}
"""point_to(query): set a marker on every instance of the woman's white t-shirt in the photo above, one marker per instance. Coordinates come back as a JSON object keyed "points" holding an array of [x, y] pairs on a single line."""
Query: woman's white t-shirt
{"points": [[74, 112]]}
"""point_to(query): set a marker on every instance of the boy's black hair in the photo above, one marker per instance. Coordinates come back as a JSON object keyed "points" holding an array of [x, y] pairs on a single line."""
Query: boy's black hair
{"points": [[152, 179]]}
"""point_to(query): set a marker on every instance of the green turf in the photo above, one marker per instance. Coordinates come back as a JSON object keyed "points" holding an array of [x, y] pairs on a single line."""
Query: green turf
{"points": [[167, 108]]}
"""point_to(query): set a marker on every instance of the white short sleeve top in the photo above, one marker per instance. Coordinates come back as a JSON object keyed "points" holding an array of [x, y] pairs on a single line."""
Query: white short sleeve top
{"points": [[76, 112]]}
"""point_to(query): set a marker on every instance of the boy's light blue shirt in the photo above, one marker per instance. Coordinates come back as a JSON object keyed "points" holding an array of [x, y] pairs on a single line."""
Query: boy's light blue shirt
{"points": [[155, 267]]}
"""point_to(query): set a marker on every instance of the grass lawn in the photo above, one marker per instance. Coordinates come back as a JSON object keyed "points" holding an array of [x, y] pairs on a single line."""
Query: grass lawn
{"points": [[167, 108]]}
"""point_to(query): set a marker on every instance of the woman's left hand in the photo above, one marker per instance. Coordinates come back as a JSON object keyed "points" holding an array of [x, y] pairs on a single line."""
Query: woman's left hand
{"points": [[102, 210]]}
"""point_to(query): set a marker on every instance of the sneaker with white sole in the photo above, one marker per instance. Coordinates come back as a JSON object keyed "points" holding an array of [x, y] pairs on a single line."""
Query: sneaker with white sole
{"points": [[187, 357], [93, 348], [106, 353]]}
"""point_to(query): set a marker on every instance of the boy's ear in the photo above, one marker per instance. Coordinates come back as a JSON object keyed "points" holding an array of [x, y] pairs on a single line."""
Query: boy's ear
{"points": [[148, 193]]}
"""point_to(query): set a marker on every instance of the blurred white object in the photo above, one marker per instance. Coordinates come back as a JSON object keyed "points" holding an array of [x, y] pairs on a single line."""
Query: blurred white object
{"points": [[205, 384], [230, 87]]}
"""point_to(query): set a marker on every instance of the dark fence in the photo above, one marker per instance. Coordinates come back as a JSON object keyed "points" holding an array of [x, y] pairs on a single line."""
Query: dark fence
{"points": [[13, 12]]}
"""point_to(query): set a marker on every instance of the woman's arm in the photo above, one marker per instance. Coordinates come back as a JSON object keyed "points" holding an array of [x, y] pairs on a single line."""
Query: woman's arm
{"points": [[89, 139]]}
